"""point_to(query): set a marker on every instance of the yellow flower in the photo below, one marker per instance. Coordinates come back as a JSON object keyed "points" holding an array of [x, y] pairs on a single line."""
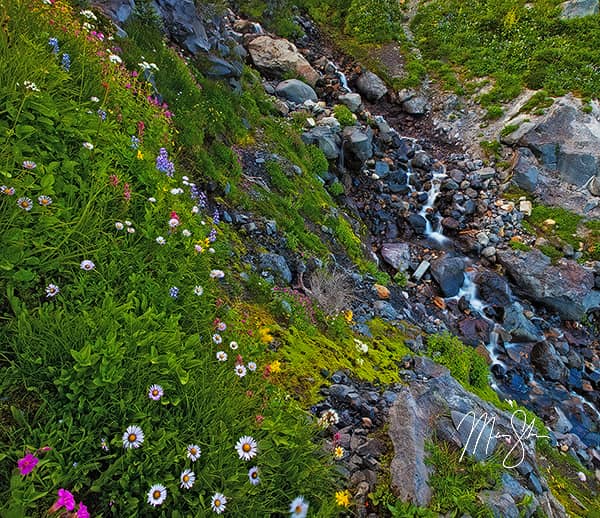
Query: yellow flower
{"points": [[348, 315], [343, 498], [338, 452], [140, 156], [265, 335], [275, 367]]}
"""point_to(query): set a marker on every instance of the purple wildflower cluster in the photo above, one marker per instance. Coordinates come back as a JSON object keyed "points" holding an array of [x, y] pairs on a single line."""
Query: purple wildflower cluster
{"points": [[102, 114], [198, 196], [53, 42], [216, 218], [66, 62], [212, 237], [135, 142], [163, 164]]}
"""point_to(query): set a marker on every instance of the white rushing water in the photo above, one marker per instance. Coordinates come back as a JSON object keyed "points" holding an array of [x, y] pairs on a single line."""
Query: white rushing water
{"points": [[257, 28], [432, 233]]}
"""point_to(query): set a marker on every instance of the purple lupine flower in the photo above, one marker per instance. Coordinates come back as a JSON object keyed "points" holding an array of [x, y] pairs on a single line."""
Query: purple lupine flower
{"points": [[53, 42], [102, 114], [174, 292], [135, 142], [66, 62], [216, 218], [198, 195], [163, 164], [212, 237]]}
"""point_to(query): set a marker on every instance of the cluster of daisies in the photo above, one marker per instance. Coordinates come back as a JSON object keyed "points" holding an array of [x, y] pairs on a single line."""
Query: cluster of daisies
{"points": [[24, 202], [239, 368]]}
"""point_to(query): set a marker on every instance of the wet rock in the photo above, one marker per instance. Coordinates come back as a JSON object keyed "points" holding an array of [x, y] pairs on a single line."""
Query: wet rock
{"points": [[546, 359], [397, 255], [385, 310], [371, 86], [221, 68], [277, 265], [352, 101], [296, 91], [326, 138], [418, 223], [416, 105], [526, 170], [277, 56], [476, 436], [421, 160], [421, 269], [565, 287], [359, 142], [493, 288], [501, 504], [449, 274], [517, 324]]}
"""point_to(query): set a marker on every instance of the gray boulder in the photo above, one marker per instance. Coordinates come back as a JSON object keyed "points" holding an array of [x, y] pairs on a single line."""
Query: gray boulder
{"points": [[578, 9], [566, 287], [359, 142], [397, 255], [566, 140], [546, 359], [371, 86], [352, 101], [296, 91], [326, 138], [277, 56], [526, 171], [416, 105], [518, 325], [449, 274], [277, 265]]}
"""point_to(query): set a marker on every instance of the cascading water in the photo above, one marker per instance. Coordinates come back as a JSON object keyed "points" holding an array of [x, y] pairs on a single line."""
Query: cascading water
{"points": [[432, 232], [257, 28]]}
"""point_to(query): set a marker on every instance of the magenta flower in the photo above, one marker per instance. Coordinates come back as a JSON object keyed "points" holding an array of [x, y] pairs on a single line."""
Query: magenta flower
{"points": [[27, 463], [82, 512], [65, 499]]}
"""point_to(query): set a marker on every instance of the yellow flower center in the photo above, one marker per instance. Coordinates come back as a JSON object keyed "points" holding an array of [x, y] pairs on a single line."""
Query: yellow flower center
{"points": [[193, 451], [186, 478], [254, 474], [156, 494], [217, 503], [155, 392], [298, 509], [132, 437], [246, 447], [25, 203]]}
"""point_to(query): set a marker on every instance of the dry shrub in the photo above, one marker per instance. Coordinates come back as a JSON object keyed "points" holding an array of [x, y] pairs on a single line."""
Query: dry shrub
{"points": [[331, 290]]}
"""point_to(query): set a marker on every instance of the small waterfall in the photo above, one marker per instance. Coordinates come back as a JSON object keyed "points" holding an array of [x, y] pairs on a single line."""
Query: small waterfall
{"points": [[341, 77], [257, 28], [433, 233]]}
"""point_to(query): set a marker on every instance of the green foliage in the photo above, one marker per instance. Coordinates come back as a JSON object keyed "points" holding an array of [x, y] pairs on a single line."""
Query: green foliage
{"points": [[464, 363], [488, 38], [517, 245], [373, 21], [494, 112], [566, 221], [343, 115], [336, 188], [455, 482], [508, 129], [551, 252], [538, 100]]}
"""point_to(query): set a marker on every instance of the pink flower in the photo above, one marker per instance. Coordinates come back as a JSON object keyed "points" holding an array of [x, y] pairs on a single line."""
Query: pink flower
{"points": [[27, 463], [82, 512], [114, 180], [65, 499]]}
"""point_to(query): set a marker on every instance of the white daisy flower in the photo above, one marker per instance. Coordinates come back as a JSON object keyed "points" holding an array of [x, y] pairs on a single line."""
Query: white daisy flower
{"points": [[128, 223], [246, 447], [155, 392], [217, 274], [94, 99], [251, 366], [173, 222], [88, 145], [113, 58], [133, 437], [217, 338], [152, 199], [221, 326], [233, 345], [222, 356], [298, 507], [87, 265], [240, 370], [193, 452], [161, 240], [211, 250], [52, 290], [130, 230], [119, 225], [198, 290], [217, 502], [186, 232], [195, 209], [187, 477], [177, 190], [157, 494], [253, 476]]}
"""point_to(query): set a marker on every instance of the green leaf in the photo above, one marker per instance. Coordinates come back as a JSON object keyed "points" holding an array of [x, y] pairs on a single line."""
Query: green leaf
{"points": [[24, 276], [24, 130], [47, 182]]}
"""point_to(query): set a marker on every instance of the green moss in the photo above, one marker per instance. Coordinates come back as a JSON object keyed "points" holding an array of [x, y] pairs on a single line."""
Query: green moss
{"points": [[507, 130], [566, 222], [343, 115], [552, 252], [517, 245]]}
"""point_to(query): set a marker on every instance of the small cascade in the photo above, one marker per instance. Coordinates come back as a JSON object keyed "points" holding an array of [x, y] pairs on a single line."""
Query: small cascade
{"points": [[257, 28], [433, 233], [341, 77]]}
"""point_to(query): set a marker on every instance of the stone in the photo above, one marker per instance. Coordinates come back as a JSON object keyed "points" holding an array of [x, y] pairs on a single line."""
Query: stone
{"points": [[520, 328], [501, 504], [385, 310], [526, 207], [397, 255], [296, 91], [566, 140], [562, 423], [416, 105], [277, 265], [359, 142], [488, 252], [326, 139], [277, 56], [493, 288], [449, 274], [594, 186], [382, 291], [418, 223], [421, 269], [546, 359], [421, 160], [476, 435], [371, 86], [566, 286], [526, 170], [352, 101], [578, 9]]}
